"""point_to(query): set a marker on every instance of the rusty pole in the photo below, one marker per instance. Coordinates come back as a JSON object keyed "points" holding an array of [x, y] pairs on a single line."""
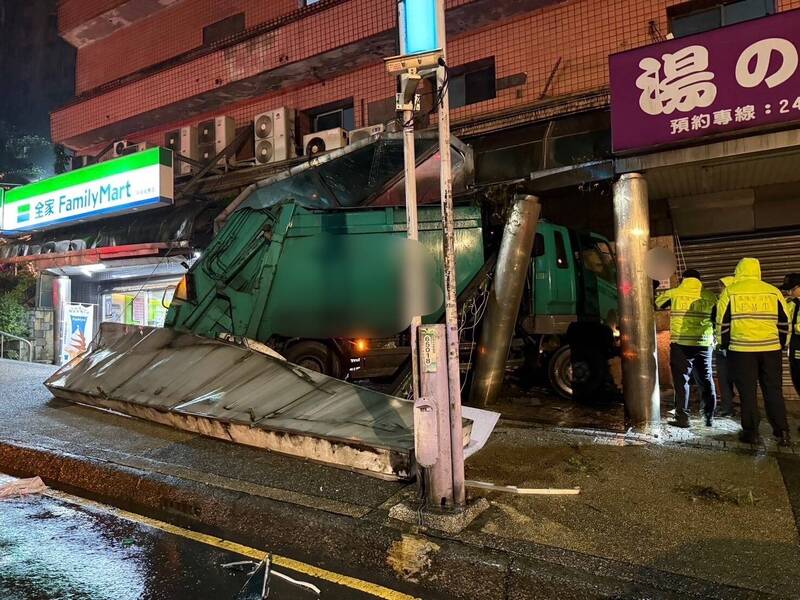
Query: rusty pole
{"points": [[451, 307]]}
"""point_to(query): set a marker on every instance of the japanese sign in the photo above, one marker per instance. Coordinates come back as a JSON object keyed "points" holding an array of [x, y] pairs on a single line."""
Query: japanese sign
{"points": [[725, 80], [134, 182]]}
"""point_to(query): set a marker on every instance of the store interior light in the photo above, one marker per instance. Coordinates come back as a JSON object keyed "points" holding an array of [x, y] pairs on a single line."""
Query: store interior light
{"points": [[89, 270]]}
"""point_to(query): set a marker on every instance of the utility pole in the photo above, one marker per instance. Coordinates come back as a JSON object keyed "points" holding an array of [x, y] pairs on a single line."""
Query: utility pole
{"points": [[437, 415], [451, 307]]}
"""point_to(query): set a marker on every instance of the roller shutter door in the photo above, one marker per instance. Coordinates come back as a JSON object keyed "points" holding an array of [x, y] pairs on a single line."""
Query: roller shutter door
{"points": [[717, 257]]}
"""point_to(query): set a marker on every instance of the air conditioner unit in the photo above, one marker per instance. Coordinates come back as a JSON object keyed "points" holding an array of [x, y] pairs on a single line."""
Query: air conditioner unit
{"points": [[324, 141], [78, 162], [214, 135], [357, 135], [118, 148], [273, 132], [134, 148], [183, 141]]}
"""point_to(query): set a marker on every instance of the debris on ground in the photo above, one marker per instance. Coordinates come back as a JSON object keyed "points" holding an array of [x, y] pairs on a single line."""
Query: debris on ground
{"points": [[512, 489], [22, 487], [581, 464], [724, 495]]}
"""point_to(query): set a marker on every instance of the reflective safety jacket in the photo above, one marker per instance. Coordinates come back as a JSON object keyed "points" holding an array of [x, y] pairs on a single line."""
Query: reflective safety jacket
{"points": [[751, 315], [794, 330], [690, 318]]}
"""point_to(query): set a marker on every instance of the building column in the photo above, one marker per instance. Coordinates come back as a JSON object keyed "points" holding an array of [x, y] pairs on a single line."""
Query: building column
{"points": [[636, 314], [62, 296]]}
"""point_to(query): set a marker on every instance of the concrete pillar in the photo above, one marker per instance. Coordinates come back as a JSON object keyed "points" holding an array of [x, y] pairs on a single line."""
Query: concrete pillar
{"points": [[62, 296], [637, 322]]}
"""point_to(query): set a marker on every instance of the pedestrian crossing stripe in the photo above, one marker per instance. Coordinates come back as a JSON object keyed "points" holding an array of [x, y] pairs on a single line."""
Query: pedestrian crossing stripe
{"points": [[359, 585]]}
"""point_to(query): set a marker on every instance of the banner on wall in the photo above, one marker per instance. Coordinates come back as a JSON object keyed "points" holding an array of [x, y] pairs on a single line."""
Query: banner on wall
{"points": [[79, 330]]}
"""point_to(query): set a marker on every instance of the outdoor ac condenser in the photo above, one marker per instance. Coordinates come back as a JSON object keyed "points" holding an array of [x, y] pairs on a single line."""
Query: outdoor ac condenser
{"points": [[214, 135], [365, 132], [118, 148], [183, 141], [134, 148], [324, 141], [273, 132]]}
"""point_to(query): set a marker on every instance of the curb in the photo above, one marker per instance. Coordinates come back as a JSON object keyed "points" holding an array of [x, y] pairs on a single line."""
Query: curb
{"points": [[422, 563]]}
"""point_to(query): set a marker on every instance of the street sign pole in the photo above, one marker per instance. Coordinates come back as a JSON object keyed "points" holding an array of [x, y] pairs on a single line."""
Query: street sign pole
{"points": [[451, 307]]}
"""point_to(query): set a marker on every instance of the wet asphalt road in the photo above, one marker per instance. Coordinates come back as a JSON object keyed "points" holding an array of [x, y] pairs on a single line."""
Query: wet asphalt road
{"points": [[56, 550]]}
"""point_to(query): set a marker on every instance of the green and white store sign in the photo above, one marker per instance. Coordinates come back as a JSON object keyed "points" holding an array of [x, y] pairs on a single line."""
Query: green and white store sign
{"points": [[136, 182]]}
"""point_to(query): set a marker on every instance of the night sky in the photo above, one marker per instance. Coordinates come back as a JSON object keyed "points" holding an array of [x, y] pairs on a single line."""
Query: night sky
{"points": [[37, 67]]}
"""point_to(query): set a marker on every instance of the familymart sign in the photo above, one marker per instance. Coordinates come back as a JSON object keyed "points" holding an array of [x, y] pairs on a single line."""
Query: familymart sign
{"points": [[135, 182]]}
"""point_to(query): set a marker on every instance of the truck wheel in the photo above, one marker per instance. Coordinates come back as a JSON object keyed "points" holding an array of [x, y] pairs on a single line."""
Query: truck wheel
{"points": [[315, 356], [559, 372]]}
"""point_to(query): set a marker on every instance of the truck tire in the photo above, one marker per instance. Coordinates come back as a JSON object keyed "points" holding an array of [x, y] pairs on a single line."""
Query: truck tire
{"points": [[559, 372], [315, 356]]}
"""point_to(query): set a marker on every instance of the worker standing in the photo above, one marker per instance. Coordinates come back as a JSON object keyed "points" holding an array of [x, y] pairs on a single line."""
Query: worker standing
{"points": [[726, 389], [691, 340], [791, 285], [752, 322]]}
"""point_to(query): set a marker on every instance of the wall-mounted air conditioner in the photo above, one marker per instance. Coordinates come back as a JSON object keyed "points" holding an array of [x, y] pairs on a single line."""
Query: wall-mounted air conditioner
{"points": [[362, 133], [214, 135], [118, 148], [324, 141], [273, 132], [183, 141], [78, 162], [134, 148]]}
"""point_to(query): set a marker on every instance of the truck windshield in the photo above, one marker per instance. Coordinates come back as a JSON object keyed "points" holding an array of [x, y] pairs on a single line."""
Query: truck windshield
{"points": [[598, 258]]}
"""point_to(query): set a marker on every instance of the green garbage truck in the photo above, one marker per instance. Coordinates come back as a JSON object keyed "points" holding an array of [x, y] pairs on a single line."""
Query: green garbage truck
{"points": [[311, 264]]}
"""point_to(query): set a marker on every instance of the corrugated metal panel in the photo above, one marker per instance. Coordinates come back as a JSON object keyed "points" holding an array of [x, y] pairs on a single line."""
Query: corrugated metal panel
{"points": [[716, 258], [230, 392]]}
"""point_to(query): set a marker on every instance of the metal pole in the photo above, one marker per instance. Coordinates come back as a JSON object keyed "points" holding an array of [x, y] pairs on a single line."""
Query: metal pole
{"points": [[412, 229], [513, 265], [62, 296], [432, 417], [451, 307], [637, 321]]}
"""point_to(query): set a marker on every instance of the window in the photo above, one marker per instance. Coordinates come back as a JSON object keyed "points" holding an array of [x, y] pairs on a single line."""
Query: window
{"points": [[309, 2], [538, 245], [704, 15], [471, 83], [562, 262], [330, 116], [222, 29]]}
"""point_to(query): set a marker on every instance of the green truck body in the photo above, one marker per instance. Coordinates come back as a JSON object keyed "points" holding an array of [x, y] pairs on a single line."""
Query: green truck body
{"points": [[310, 282]]}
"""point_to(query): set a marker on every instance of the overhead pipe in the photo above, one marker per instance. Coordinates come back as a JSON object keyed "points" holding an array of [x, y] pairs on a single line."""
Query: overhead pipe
{"points": [[513, 262]]}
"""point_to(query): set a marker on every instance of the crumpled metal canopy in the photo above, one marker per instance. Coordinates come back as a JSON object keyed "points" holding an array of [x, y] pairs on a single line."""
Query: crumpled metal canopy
{"points": [[234, 393]]}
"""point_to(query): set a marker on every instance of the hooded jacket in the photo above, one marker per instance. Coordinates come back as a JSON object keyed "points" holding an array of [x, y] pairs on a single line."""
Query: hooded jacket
{"points": [[751, 315], [690, 320]]}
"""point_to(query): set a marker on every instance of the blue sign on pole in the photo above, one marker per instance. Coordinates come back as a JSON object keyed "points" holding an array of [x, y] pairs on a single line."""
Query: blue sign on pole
{"points": [[419, 30]]}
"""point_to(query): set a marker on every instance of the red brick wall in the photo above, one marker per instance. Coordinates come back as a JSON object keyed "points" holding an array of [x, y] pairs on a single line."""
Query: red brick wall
{"points": [[180, 29], [72, 13], [581, 33]]}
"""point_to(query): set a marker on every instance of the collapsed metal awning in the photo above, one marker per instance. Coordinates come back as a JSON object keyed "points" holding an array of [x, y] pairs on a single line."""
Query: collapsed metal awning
{"points": [[233, 393]]}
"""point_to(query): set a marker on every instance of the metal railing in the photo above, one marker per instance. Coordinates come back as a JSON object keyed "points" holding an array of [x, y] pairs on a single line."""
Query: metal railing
{"points": [[4, 335]]}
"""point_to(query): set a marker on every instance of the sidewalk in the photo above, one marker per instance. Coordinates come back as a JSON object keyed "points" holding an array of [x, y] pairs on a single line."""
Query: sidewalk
{"points": [[653, 520]]}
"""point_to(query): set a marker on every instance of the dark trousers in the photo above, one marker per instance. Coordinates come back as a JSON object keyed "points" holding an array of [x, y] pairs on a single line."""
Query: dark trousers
{"points": [[751, 369], [691, 362], [794, 362], [726, 391]]}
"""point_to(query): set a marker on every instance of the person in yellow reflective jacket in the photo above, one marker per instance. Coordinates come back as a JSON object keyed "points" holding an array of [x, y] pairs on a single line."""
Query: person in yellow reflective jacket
{"points": [[752, 321], [726, 390], [791, 285], [691, 341]]}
